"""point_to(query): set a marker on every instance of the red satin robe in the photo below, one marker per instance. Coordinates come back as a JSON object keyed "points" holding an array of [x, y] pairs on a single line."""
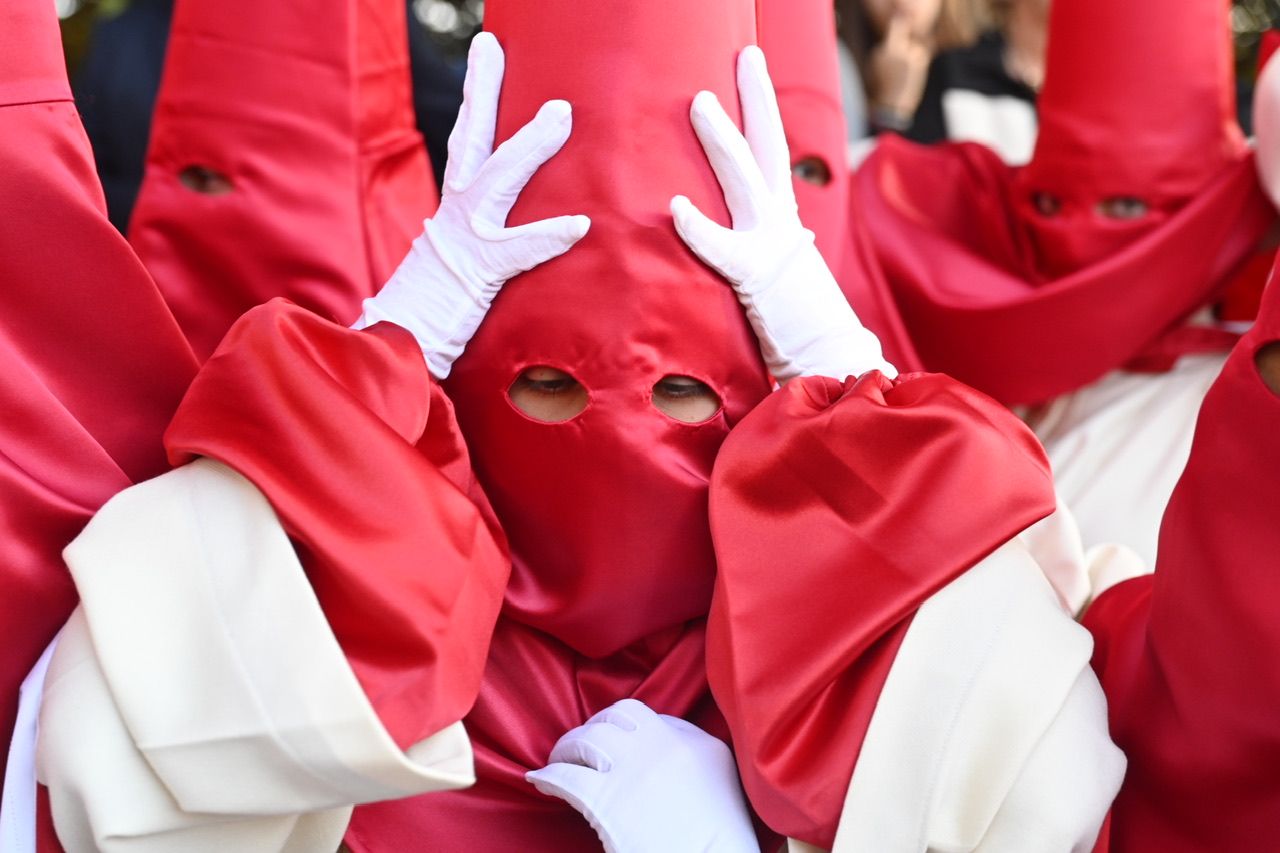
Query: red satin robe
{"points": [[92, 363], [1189, 656]]}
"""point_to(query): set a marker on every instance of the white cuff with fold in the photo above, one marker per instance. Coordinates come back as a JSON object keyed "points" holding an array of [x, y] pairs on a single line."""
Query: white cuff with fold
{"points": [[199, 698], [991, 731]]}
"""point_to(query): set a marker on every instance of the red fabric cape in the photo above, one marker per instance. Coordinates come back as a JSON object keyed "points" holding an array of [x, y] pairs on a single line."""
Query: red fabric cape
{"points": [[939, 268], [91, 363], [1189, 657]]}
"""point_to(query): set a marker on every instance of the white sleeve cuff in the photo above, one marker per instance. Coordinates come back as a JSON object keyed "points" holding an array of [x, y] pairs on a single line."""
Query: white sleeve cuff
{"points": [[990, 721], [221, 666]]}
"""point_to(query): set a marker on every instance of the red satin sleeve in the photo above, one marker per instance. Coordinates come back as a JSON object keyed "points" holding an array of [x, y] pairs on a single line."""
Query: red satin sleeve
{"points": [[1190, 657], [356, 449], [837, 510], [92, 365]]}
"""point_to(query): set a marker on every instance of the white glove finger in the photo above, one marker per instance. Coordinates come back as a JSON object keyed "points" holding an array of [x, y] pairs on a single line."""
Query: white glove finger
{"points": [[709, 240], [573, 783], [578, 748], [762, 122], [514, 163], [535, 242], [745, 190], [626, 714], [471, 142], [599, 745], [685, 726]]}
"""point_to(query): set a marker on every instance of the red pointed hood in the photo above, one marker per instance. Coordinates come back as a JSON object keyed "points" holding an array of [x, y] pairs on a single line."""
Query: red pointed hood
{"points": [[306, 109], [606, 512], [1138, 102]]}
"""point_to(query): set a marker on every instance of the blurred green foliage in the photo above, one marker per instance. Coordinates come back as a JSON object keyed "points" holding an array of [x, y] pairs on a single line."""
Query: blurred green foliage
{"points": [[1249, 20]]}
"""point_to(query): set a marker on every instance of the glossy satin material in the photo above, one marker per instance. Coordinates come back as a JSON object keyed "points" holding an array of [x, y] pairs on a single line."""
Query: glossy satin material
{"points": [[533, 687], [951, 280], [1188, 656], [606, 512], [410, 567], [837, 510], [799, 43], [93, 364], [1137, 103], [951, 262], [306, 108], [324, 421]]}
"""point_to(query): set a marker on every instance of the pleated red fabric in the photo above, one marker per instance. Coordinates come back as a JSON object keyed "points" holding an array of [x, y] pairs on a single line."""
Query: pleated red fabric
{"points": [[838, 509], [798, 38], [93, 364], [1188, 657], [1011, 279], [306, 109]]}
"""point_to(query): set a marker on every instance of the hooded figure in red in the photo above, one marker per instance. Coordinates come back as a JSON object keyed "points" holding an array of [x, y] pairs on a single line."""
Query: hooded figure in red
{"points": [[605, 513], [284, 160], [1138, 207]]}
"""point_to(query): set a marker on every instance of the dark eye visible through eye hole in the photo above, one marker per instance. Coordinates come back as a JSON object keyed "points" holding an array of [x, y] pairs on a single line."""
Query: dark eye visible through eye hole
{"points": [[204, 180], [1046, 204], [812, 170], [1268, 359], [685, 399], [548, 394], [1123, 207]]}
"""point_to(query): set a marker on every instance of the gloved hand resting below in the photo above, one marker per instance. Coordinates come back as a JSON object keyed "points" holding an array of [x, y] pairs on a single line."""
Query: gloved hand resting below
{"points": [[445, 285], [804, 324], [648, 782]]}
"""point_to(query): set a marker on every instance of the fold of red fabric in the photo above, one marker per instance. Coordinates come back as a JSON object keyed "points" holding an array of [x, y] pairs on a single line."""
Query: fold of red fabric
{"points": [[1188, 656], [837, 509], [306, 110], [949, 279], [92, 364], [536, 689], [356, 449]]}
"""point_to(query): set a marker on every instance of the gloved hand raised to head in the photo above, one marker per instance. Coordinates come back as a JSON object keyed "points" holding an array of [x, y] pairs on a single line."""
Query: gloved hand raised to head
{"points": [[803, 322], [445, 285], [648, 781]]}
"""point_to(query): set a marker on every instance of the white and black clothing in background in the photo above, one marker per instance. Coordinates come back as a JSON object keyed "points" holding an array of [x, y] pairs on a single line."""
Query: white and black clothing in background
{"points": [[970, 96]]}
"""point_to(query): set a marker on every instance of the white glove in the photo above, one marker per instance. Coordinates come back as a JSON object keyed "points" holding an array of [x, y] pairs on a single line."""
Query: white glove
{"points": [[649, 782], [803, 322], [18, 832], [444, 287]]}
